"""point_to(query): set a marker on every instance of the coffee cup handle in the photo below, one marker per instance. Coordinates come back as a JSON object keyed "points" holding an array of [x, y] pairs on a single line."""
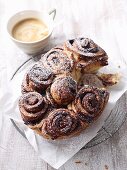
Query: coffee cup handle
{"points": [[53, 13]]}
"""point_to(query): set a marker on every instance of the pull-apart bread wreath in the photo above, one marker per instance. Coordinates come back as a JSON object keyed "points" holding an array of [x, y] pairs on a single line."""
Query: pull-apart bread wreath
{"points": [[62, 94]]}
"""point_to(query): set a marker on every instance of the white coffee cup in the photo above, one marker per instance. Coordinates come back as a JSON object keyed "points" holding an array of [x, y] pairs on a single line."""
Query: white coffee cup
{"points": [[36, 46]]}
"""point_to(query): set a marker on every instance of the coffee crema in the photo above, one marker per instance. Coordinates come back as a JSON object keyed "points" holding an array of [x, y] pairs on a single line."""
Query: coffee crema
{"points": [[30, 30]]}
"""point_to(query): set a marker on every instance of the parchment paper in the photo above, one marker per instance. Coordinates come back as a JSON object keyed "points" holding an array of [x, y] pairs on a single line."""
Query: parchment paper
{"points": [[56, 153]]}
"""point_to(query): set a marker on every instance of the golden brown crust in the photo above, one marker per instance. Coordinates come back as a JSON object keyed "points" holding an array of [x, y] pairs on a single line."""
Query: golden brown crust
{"points": [[50, 99], [38, 78], [91, 66], [62, 91]]}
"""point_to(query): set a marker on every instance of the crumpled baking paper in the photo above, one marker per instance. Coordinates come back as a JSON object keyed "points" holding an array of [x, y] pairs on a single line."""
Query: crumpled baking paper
{"points": [[56, 153]]}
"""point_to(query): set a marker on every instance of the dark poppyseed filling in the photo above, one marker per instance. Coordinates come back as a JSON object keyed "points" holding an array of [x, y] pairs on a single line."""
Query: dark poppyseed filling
{"points": [[91, 98], [31, 100], [33, 122], [63, 119], [86, 118], [58, 60], [84, 44], [61, 123], [40, 73]]}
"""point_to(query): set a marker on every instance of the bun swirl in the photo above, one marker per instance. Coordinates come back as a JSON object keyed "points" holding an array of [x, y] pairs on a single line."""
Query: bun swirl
{"points": [[57, 61], [33, 107], [90, 56], [37, 79], [85, 47], [59, 124], [89, 103]]}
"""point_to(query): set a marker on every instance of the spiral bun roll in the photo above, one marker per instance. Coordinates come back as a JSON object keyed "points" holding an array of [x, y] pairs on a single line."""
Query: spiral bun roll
{"points": [[38, 78], [33, 107], [89, 103], [88, 55], [57, 61], [61, 123]]}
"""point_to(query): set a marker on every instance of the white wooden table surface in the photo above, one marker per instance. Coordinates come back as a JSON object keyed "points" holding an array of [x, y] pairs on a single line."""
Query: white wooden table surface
{"points": [[103, 21]]}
